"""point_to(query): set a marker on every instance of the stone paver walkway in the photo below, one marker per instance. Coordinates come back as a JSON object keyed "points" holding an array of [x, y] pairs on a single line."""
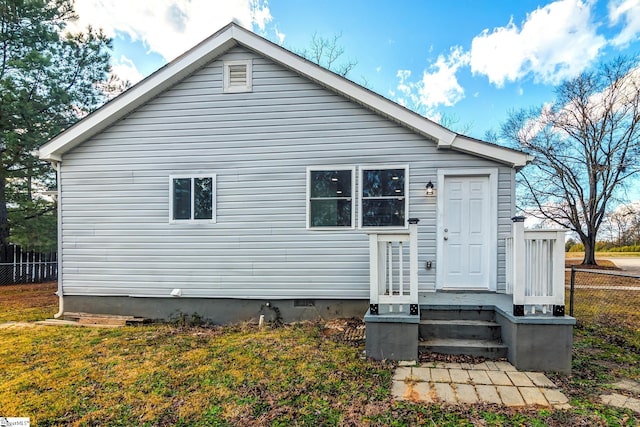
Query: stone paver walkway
{"points": [[622, 401], [462, 383]]}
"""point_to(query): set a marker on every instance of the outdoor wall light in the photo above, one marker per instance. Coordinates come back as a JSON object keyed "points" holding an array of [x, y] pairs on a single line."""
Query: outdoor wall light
{"points": [[430, 189]]}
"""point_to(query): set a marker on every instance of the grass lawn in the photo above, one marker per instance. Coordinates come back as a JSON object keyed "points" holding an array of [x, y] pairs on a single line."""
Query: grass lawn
{"points": [[26, 303], [603, 255], [166, 375]]}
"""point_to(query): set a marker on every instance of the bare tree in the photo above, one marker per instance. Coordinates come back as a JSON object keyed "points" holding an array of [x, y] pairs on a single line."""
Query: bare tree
{"points": [[453, 122], [619, 223], [327, 52], [587, 146]]}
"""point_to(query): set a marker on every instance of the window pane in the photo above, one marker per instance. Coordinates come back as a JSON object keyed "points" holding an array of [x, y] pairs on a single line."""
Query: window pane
{"points": [[382, 212], [182, 198], [330, 213], [330, 183], [383, 182], [202, 203]]}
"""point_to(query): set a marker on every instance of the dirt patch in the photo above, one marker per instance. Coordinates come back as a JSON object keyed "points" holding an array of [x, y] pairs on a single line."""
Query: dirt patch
{"points": [[454, 358], [603, 264], [28, 295]]}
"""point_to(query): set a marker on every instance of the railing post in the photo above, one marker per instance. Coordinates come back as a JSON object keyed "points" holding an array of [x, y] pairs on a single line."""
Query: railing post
{"points": [[518, 267], [373, 274], [558, 274], [413, 264]]}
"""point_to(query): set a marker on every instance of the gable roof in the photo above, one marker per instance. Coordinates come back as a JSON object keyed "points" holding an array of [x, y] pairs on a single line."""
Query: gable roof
{"points": [[233, 35]]}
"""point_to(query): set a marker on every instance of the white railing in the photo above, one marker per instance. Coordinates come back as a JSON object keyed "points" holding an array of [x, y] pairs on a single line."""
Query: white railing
{"points": [[535, 269], [394, 270]]}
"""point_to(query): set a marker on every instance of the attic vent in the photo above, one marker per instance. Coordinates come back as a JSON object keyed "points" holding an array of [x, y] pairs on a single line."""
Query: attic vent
{"points": [[237, 76]]}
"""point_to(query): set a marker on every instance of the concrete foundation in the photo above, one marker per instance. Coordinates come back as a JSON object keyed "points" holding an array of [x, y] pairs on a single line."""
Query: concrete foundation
{"points": [[538, 343], [218, 310], [392, 336]]}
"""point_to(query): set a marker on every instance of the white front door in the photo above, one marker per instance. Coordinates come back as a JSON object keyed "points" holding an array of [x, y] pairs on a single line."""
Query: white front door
{"points": [[466, 248]]}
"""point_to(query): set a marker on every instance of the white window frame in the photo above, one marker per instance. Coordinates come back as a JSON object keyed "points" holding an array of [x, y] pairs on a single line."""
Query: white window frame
{"points": [[214, 192], [406, 197], [227, 87], [353, 195]]}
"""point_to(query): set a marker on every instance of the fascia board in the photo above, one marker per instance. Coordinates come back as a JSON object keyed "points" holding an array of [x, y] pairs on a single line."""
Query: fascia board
{"points": [[513, 158]]}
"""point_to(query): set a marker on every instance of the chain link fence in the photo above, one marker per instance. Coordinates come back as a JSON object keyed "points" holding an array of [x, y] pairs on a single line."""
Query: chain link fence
{"points": [[18, 265], [601, 295]]}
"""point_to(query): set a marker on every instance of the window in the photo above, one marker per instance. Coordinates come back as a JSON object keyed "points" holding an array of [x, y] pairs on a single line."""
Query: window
{"points": [[237, 76], [330, 202], [192, 198], [383, 201]]}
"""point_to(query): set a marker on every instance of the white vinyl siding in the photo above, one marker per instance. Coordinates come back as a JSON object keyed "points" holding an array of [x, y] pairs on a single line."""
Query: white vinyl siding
{"points": [[237, 76], [192, 198], [116, 240]]}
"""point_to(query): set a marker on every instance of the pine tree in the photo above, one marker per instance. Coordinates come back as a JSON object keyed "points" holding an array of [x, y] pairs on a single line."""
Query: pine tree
{"points": [[49, 79]]}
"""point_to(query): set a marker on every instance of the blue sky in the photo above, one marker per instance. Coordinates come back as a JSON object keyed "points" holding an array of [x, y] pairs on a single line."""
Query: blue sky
{"points": [[467, 62]]}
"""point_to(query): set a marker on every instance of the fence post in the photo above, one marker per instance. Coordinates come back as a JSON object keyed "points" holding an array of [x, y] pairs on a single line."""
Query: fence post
{"points": [[18, 265], [518, 279], [571, 289]]}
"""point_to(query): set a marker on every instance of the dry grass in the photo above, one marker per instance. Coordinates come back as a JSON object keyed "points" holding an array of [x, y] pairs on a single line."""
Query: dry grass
{"points": [[603, 255], [163, 375], [160, 375], [617, 305], [25, 303]]}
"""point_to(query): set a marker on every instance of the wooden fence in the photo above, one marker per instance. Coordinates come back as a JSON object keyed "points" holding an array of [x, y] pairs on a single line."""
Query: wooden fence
{"points": [[18, 265]]}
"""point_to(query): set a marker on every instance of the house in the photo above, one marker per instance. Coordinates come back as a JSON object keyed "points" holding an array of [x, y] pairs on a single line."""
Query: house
{"points": [[242, 180]]}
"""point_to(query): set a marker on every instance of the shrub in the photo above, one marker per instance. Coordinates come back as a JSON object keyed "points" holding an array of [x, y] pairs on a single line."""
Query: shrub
{"points": [[630, 248], [578, 247]]}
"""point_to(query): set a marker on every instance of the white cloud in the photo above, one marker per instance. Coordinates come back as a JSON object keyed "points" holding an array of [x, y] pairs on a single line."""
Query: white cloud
{"points": [[440, 86], [125, 69], [437, 86], [555, 42], [629, 12], [279, 35], [170, 27]]}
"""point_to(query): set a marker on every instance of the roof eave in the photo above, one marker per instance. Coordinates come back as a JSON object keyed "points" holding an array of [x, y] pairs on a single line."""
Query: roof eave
{"points": [[225, 39], [513, 158]]}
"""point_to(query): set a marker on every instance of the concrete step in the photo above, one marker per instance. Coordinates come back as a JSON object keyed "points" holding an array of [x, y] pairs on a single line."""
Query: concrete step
{"points": [[460, 329], [490, 349], [102, 319], [456, 313]]}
